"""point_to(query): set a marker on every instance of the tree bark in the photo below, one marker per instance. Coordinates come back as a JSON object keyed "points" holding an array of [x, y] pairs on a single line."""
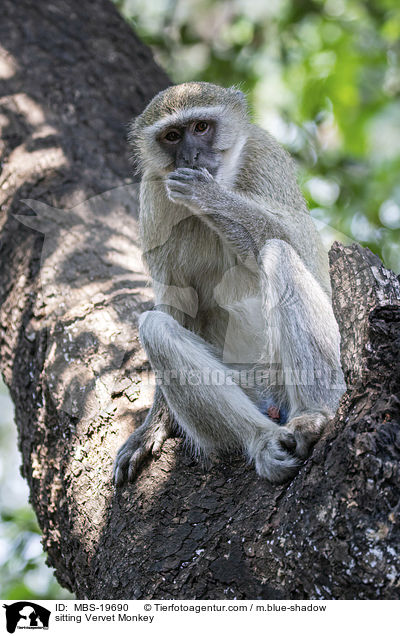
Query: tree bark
{"points": [[72, 285]]}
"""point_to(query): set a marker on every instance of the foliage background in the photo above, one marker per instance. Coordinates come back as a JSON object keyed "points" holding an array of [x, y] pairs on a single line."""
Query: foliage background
{"points": [[323, 76]]}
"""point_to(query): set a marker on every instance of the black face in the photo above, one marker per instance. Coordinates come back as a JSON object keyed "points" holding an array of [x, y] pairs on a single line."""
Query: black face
{"points": [[191, 145]]}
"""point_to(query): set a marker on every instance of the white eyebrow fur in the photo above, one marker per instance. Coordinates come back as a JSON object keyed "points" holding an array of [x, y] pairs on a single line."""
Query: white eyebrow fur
{"points": [[185, 114]]}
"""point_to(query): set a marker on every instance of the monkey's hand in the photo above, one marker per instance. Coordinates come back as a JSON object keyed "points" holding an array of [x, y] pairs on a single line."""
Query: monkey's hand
{"points": [[241, 222], [146, 441], [274, 452], [190, 186]]}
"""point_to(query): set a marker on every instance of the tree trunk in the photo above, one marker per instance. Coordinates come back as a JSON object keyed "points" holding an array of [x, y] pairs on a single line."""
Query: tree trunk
{"points": [[72, 285]]}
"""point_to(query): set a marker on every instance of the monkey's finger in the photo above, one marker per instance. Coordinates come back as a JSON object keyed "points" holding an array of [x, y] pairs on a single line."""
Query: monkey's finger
{"points": [[118, 477], [173, 184], [206, 174], [180, 191], [175, 180], [120, 466], [158, 444], [191, 172], [193, 177], [194, 174], [125, 453], [178, 176], [135, 461], [178, 186]]}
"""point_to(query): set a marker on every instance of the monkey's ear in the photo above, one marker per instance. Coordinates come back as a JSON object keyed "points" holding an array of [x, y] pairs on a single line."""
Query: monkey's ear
{"points": [[239, 94], [135, 133], [132, 127]]}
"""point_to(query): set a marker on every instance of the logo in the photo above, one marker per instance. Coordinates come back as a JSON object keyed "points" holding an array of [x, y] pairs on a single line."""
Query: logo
{"points": [[26, 615]]}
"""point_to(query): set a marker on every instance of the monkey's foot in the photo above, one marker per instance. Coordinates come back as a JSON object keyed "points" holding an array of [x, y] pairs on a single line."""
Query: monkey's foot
{"points": [[273, 454], [146, 441], [307, 429]]}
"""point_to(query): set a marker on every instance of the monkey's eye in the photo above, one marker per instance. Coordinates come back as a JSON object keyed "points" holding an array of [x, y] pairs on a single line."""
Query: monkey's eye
{"points": [[201, 127], [172, 136]]}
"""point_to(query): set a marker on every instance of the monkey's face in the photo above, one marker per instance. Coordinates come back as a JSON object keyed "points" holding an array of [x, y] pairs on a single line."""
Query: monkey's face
{"points": [[194, 125], [192, 145], [200, 138]]}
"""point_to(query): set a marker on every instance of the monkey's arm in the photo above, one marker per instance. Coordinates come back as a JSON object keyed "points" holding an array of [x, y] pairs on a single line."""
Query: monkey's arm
{"points": [[243, 222]]}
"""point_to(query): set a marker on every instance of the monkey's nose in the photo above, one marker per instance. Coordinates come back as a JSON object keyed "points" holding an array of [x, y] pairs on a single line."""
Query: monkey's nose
{"points": [[192, 160]]}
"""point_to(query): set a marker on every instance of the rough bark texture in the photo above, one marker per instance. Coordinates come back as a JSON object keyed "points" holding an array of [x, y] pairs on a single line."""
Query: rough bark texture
{"points": [[71, 75]]}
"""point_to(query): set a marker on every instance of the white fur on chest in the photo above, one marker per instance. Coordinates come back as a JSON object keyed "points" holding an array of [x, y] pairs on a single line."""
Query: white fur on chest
{"points": [[239, 296]]}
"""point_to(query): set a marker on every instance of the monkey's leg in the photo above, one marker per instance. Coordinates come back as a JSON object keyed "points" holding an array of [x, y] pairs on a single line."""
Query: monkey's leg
{"points": [[302, 340], [146, 441], [213, 412]]}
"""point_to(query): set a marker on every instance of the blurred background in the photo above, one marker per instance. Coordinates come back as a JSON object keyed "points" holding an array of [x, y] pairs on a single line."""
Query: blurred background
{"points": [[23, 572], [323, 76]]}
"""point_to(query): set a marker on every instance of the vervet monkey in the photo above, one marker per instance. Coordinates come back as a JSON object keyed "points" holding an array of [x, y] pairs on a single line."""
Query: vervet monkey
{"points": [[241, 285]]}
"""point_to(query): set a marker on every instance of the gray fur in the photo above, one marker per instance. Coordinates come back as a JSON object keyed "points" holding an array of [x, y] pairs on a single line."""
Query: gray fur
{"points": [[238, 241]]}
